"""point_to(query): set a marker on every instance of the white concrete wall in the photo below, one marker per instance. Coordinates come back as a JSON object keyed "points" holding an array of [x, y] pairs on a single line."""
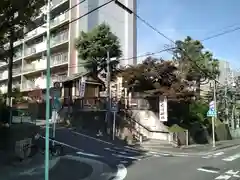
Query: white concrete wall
{"points": [[148, 119]]}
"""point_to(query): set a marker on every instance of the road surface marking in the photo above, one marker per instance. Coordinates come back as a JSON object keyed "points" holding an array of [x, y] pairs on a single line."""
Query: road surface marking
{"points": [[207, 157], [235, 175], [218, 154], [224, 177], [127, 157], [62, 143], [124, 162], [127, 149], [232, 158], [231, 172], [157, 155], [88, 154], [112, 150], [208, 170], [90, 137], [213, 155], [121, 173], [163, 154]]}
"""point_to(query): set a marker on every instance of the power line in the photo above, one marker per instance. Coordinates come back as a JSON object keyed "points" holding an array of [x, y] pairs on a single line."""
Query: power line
{"points": [[134, 57], [166, 37], [221, 34]]}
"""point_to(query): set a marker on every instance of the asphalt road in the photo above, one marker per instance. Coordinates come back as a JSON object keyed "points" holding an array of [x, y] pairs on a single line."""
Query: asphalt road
{"points": [[99, 159], [217, 165]]}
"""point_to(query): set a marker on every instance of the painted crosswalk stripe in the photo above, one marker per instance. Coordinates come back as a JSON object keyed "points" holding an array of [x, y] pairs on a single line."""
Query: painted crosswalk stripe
{"points": [[126, 157], [208, 170], [218, 154], [232, 158]]}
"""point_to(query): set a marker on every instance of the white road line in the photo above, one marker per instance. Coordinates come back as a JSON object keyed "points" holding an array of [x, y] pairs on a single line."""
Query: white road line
{"points": [[88, 154], [64, 144], [207, 157], [224, 177], [112, 150], [127, 149], [208, 170], [121, 173], [126, 157], [218, 154], [99, 140], [232, 158]]}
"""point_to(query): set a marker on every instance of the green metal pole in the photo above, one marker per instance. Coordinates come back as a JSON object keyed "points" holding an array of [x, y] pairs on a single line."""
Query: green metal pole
{"points": [[47, 95]]}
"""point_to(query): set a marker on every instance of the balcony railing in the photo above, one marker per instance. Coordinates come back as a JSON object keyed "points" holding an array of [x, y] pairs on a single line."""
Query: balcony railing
{"points": [[36, 31], [36, 48], [17, 71], [30, 84], [56, 59], [18, 55], [59, 58], [59, 38], [56, 21], [59, 19]]}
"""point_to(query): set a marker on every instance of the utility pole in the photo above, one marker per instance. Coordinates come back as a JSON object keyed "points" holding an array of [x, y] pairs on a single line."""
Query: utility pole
{"points": [[214, 118], [47, 94], [226, 103], [108, 89], [233, 111]]}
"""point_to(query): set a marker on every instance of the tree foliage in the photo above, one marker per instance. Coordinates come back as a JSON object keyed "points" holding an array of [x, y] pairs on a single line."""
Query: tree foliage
{"points": [[194, 62], [157, 75], [14, 15], [93, 46]]}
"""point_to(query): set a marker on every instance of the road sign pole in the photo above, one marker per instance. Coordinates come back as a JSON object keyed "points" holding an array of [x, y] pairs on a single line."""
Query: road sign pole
{"points": [[114, 124], [214, 117], [213, 132], [54, 118], [47, 95]]}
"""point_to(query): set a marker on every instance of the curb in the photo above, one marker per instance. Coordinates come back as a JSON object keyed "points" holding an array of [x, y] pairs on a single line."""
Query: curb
{"points": [[169, 153]]}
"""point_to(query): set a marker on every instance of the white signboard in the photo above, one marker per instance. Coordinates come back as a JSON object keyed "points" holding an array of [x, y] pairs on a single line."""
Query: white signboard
{"points": [[163, 111], [82, 85]]}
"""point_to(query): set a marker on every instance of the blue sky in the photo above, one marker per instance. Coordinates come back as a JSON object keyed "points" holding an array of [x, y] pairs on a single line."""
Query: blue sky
{"points": [[196, 18]]}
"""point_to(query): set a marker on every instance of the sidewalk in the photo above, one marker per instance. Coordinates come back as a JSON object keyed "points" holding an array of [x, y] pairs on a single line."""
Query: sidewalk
{"points": [[195, 149]]}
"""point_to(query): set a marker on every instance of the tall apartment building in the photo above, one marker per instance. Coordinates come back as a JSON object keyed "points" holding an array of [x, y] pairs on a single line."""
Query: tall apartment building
{"points": [[226, 77], [30, 59]]}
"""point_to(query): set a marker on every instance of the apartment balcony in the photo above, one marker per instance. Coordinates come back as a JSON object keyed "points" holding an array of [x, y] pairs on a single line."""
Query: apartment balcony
{"points": [[59, 20], [17, 71], [55, 40], [62, 18], [28, 85], [34, 49], [18, 55], [57, 59], [59, 38], [3, 89], [32, 84]]}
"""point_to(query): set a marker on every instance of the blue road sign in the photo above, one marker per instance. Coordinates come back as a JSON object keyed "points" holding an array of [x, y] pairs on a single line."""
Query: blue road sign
{"points": [[56, 95], [114, 105], [211, 113]]}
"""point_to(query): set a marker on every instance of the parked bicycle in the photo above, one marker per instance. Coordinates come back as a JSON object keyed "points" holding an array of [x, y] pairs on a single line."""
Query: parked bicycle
{"points": [[38, 146]]}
